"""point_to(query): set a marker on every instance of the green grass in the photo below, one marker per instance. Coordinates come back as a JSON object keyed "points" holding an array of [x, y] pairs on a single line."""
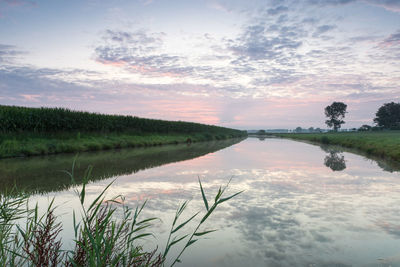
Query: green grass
{"points": [[102, 236], [385, 144], [30, 144]]}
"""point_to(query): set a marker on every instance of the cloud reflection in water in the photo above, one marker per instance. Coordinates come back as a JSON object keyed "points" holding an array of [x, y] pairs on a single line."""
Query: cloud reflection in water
{"points": [[294, 211]]}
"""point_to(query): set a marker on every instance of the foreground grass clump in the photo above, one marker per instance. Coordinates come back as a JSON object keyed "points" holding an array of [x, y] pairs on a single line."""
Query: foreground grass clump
{"points": [[384, 144], [39, 131], [102, 238]]}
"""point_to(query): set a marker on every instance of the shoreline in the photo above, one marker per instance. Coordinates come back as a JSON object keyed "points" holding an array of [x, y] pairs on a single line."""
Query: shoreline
{"points": [[39, 145], [385, 145]]}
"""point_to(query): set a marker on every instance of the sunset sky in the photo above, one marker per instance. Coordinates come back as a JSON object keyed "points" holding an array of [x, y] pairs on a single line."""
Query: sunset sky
{"points": [[242, 64]]}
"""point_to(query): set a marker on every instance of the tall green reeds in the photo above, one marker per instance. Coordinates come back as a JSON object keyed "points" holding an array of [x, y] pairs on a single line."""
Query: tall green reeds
{"points": [[102, 237]]}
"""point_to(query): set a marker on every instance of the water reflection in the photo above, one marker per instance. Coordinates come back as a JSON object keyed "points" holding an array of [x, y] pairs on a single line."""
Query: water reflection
{"points": [[45, 174], [294, 211], [389, 166], [335, 159]]}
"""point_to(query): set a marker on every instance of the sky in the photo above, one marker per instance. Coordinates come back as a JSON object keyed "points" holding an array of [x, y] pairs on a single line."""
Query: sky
{"points": [[242, 64]]}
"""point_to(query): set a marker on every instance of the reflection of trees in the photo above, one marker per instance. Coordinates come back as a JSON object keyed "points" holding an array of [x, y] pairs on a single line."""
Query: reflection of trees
{"points": [[389, 166], [385, 164], [261, 138], [335, 161]]}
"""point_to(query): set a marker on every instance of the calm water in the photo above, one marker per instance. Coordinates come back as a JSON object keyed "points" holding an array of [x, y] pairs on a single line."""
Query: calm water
{"points": [[303, 205]]}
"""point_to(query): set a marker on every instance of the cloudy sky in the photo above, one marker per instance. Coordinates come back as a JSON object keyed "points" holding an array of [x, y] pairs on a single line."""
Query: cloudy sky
{"points": [[246, 64]]}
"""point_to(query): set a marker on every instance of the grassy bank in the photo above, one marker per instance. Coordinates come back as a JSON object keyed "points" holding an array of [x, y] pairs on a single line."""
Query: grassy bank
{"points": [[42, 144], [40, 131], [384, 144]]}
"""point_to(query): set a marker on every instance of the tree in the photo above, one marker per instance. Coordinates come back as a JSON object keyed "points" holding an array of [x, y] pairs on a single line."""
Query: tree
{"points": [[364, 128], [335, 114], [298, 130], [388, 116]]}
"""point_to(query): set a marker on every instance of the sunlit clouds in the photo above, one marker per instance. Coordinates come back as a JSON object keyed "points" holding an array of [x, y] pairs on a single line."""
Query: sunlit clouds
{"points": [[263, 64]]}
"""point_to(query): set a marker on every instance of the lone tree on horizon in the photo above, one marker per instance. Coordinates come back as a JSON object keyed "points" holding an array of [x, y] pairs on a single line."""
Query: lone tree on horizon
{"points": [[388, 116], [335, 113]]}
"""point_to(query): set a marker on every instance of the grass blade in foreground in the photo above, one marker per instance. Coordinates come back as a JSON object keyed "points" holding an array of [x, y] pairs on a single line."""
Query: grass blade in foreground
{"points": [[196, 233]]}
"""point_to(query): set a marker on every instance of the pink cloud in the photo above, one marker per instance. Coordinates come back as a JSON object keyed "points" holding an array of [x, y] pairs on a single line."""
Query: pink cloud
{"points": [[33, 98], [183, 108], [392, 40]]}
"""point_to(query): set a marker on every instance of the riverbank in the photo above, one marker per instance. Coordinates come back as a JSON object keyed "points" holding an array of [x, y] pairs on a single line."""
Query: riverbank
{"points": [[385, 144], [23, 145]]}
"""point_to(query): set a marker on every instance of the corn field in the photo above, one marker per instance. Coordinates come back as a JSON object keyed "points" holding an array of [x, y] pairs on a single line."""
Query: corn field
{"points": [[14, 119]]}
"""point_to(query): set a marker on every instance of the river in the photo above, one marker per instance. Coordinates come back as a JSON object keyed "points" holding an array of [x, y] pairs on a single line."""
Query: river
{"points": [[302, 205]]}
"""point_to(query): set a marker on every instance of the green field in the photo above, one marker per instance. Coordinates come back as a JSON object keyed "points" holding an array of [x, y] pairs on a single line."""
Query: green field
{"points": [[384, 144], [40, 131]]}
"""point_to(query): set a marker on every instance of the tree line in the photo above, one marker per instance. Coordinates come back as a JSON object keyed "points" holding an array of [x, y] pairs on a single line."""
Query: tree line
{"points": [[387, 116]]}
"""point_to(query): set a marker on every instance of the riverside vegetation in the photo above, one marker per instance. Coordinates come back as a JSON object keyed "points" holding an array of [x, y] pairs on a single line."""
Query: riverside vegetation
{"points": [[384, 144], [101, 237], [33, 174], [40, 131]]}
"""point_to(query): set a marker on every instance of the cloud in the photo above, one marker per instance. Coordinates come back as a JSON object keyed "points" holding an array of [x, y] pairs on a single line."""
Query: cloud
{"points": [[139, 52], [388, 51], [23, 84], [140, 39], [391, 5], [330, 2], [364, 38], [260, 43], [278, 10], [273, 55], [219, 6], [323, 29], [8, 53], [392, 40]]}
